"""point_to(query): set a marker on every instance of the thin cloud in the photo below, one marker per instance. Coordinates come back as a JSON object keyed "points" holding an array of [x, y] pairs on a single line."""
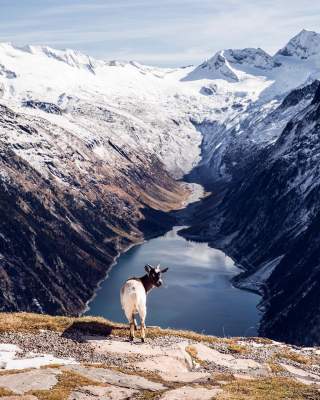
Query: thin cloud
{"points": [[170, 32]]}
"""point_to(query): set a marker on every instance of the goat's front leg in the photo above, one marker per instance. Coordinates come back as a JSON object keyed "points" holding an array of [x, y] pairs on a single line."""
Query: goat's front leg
{"points": [[143, 313]]}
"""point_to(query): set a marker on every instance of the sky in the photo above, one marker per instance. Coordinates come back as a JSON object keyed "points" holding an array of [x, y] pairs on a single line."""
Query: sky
{"points": [[156, 32]]}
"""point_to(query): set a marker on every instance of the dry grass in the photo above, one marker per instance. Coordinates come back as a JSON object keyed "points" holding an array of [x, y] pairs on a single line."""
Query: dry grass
{"points": [[147, 395], [261, 340], [236, 348], [223, 377], [268, 389], [291, 355], [155, 332], [51, 366], [5, 392], [30, 322], [67, 382], [16, 371], [275, 367], [192, 351]]}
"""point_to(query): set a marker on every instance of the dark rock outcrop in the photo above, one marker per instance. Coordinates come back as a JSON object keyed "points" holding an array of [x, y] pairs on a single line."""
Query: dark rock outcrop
{"points": [[44, 106]]}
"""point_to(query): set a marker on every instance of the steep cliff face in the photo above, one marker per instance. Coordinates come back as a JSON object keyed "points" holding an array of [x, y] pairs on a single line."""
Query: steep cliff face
{"points": [[66, 214], [229, 146], [292, 301], [267, 220]]}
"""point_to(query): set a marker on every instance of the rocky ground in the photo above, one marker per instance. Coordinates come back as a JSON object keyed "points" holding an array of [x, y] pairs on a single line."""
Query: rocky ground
{"points": [[90, 358]]}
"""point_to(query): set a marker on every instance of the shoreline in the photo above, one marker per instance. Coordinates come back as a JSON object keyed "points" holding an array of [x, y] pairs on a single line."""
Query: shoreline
{"points": [[197, 192]]}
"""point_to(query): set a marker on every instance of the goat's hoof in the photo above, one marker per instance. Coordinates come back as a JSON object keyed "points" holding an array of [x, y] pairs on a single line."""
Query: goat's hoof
{"points": [[143, 340], [131, 339]]}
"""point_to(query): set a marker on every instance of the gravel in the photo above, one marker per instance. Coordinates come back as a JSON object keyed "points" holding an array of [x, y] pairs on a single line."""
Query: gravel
{"points": [[49, 342]]}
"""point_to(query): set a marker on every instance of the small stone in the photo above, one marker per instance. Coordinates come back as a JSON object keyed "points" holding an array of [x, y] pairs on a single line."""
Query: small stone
{"points": [[3, 365]]}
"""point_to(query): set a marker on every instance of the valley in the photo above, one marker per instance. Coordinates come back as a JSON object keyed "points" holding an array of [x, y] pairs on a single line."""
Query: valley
{"points": [[93, 154]]}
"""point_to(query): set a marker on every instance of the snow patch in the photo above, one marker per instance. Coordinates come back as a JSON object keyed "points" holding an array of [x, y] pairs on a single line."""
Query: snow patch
{"points": [[10, 358]]}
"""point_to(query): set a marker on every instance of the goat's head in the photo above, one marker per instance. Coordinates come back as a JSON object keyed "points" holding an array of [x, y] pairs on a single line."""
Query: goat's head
{"points": [[154, 274]]}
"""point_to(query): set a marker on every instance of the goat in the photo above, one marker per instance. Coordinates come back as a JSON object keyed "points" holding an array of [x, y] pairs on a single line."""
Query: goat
{"points": [[133, 296]]}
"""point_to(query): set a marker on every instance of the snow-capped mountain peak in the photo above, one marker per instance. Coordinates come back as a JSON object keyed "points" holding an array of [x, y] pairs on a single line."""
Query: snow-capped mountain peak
{"points": [[226, 64], [216, 67], [256, 58], [71, 57], [303, 45]]}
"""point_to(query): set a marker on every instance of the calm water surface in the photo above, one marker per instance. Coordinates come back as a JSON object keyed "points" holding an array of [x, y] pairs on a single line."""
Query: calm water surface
{"points": [[197, 293]]}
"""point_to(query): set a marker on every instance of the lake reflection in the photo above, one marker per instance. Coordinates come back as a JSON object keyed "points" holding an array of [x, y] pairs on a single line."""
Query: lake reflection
{"points": [[197, 293]]}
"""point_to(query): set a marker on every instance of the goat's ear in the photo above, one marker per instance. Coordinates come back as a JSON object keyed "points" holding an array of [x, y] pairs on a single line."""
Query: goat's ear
{"points": [[147, 268], [164, 270]]}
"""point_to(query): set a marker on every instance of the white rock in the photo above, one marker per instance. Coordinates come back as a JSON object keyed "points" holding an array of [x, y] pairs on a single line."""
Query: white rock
{"points": [[176, 351], [171, 369], [191, 393], [115, 378], [102, 393], [205, 353], [43, 379], [301, 373]]}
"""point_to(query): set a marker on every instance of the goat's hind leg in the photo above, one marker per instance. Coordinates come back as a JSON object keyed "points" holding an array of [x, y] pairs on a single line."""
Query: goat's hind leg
{"points": [[143, 331], [135, 324], [132, 327], [143, 313]]}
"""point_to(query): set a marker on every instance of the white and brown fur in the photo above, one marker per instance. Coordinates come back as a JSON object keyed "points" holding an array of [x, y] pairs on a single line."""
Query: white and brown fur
{"points": [[133, 296]]}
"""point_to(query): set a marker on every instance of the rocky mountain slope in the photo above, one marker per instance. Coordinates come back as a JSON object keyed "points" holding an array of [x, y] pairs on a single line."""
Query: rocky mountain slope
{"points": [[62, 358], [267, 218], [268, 221], [66, 213]]}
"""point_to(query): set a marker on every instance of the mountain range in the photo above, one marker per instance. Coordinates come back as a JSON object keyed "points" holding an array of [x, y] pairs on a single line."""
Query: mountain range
{"points": [[91, 156]]}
